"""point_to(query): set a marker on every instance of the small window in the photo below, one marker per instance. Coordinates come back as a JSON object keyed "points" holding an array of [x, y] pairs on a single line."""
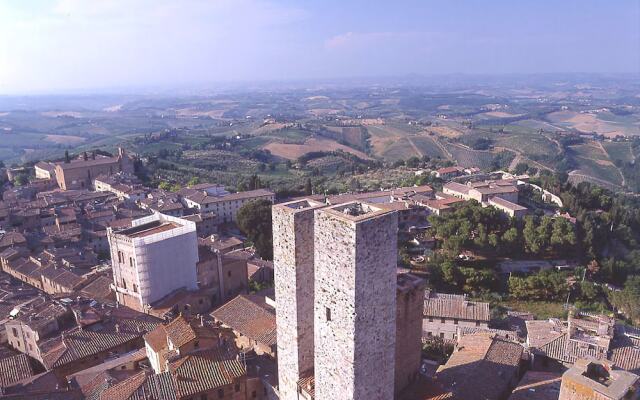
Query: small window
{"points": [[237, 387], [229, 274], [220, 393], [455, 321], [203, 397], [430, 319], [442, 335], [196, 344], [328, 313], [15, 332], [429, 334], [135, 288], [442, 320], [254, 394], [477, 323]]}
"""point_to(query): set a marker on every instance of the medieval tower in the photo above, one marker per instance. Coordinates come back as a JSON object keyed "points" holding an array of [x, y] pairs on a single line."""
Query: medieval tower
{"points": [[293, 257], [355, 302]]}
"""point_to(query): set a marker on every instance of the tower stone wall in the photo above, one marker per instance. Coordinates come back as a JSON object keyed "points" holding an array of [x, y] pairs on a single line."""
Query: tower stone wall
{"points": [[355, 302], [293, 257], [409, 312]]}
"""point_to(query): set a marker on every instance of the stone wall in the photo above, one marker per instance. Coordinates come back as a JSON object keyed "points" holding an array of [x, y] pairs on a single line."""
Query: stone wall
{"points": [[355, 308], [293, 252], [409, 309]]}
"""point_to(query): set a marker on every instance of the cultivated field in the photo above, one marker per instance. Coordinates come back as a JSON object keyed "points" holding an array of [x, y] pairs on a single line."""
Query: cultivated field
{"points": [[619, 151], [470, 158], [65, 139], [592, 122], [294, 151]]}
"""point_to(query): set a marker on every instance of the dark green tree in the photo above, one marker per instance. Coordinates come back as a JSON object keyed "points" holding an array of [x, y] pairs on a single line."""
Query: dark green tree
{"points": [[308, 188], [254, 220]]}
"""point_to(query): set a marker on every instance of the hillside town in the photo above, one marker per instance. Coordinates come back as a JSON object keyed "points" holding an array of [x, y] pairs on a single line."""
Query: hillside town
{"points": [[111, 289]]}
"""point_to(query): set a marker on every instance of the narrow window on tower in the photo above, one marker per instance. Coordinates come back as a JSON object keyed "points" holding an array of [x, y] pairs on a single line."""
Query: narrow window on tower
{"points": [[328, 312]]}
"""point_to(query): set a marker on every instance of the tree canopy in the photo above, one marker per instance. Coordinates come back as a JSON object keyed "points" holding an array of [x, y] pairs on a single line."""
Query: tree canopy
{"points": [[254, 220]]}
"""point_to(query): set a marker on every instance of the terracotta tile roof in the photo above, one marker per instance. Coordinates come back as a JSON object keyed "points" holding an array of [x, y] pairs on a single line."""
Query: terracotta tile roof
{"points": [[250, 316], [308, 384], [156, 339], [536, 385], [93, 389], [426, 389], [179, 331], [448, 170], [77, 344], [41, 315], [506, 204], [481, 367], [125, 389], [625, 353], [14, 368], [541, 332], [12, 239], [100, 288], [80, 163], [205, 371], [551, 338], [160, 386], [204, 198], [457, 187], [190, 375], [130, 357], [439, 305], [471, 330], [62, 277]]}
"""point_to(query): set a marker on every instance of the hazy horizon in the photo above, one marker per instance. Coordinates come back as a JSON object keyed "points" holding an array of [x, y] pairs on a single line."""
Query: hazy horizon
{"points": [[74, 45]]}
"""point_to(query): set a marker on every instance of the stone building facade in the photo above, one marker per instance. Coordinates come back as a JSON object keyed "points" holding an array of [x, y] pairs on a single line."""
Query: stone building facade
{"points": [[79, 174], [355, 302], [293, 252]]}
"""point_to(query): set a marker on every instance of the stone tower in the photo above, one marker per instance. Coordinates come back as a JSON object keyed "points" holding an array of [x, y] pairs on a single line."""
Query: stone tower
{"points": [[293, 239], [355, 302]]}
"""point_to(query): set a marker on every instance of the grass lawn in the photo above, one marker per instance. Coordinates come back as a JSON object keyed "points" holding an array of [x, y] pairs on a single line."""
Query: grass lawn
{"points": [[541, 309]]}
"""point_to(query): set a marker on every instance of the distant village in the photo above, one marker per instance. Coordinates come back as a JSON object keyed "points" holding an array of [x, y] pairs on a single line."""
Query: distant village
{"points": [[114, 290]]}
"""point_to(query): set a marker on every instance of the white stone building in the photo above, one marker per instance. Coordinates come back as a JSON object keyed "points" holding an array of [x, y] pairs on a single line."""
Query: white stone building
{"points": [[152, 259]]}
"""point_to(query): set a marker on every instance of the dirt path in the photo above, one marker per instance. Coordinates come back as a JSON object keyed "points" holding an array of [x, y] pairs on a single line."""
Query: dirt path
{"points": [[558, 145], [516, 160], [522, 158], [442, 147], [415, 148]]}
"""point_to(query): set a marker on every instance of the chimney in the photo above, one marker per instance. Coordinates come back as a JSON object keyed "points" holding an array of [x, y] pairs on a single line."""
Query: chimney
{"points": [[117, 326]]}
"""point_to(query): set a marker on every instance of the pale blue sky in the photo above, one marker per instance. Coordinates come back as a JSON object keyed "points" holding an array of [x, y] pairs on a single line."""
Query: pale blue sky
{"points": [[60, 45]]}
